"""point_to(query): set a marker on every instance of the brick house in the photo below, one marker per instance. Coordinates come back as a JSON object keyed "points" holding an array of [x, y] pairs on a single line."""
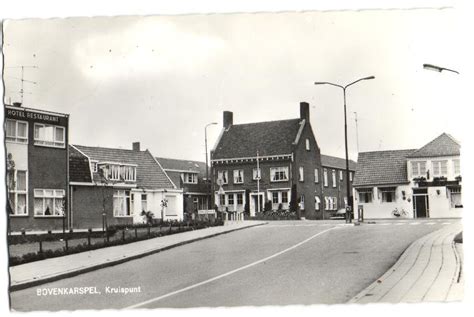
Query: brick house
{"points": [[190, 176], [424, 183], [113, 186], [287, 156], [332, 194], [36, 144]]}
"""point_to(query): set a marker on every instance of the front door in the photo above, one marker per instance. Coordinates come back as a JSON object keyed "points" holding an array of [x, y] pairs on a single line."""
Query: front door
{"points": [[421, 206], [256, 203]]}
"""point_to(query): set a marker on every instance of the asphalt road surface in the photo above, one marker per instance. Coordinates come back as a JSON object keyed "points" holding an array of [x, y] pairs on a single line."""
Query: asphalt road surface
{"points": [[281, 263]]}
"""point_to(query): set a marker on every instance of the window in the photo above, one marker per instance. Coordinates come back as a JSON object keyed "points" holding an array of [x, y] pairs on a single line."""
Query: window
{"points": [[275, 197], [341, 177], [223, 175], [122, 203], [330, 203], [440, 168], [455, 197], [257, 174], [222, 200], [144, 202], [365, 195], [17, 192], [325, 176], [240, 199], [16, 131], [278, 174], [116, 172], [94, 166], [418, 168], [238, 176], [301, 174], [317, 203], [302, 202], [230, 198], [190, 178], [388, 194], [326, 203], [350, 176], [333, 178], [284, 197], [307, 145], [316, 175], [49, 135], [49, 202], [457, 167]]}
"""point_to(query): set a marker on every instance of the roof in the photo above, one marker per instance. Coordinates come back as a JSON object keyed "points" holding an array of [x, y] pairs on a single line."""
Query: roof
{"points": [[79, 166], [268, 138], [182, 165], [381, 168], [150, 175], [337, 162], [444, 145]]}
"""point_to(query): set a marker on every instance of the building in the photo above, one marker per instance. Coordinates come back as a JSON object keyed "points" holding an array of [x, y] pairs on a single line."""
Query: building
{"points": [[190, 176], [114, 186], [419, 183], [36, 143], [332, 182], [266, 165]]}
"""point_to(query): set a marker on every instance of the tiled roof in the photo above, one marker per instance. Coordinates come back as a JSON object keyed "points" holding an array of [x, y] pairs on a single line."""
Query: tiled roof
{"points": [[381, 168], [269, 138], [79, 168], [337, 162], [149, 173], [444, 145], [182, 165]]}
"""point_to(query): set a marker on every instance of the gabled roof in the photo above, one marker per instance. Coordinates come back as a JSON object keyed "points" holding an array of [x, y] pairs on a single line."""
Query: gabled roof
{"points": [[150, 175], [79, 166], [337, 162], [269, 138], [381, 168], [444, 145], [182, 165]]}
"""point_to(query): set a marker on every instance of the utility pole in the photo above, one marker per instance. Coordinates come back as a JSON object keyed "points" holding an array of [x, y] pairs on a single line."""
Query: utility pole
{"points": [[258, 184], [357, 132]]}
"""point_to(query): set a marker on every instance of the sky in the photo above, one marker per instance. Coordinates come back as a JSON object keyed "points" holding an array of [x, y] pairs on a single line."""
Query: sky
{"points": [[161, 79]]}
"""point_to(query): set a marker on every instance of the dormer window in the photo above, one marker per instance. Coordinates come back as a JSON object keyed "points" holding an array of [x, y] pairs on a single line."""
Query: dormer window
{"points": [[94, 166], [190, 178], [118, 172]]}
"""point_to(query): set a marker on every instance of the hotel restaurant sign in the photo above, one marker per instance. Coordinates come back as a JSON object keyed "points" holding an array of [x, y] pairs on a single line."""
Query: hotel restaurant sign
{"points": [[30, 115]]}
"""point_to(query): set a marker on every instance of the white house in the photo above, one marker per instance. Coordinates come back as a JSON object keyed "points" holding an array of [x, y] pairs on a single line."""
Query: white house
{"points": [[422, 183]]}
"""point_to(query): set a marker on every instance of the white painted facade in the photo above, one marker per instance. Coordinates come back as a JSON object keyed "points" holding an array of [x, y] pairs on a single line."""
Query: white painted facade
{"points": [[378, 208], [151, 200]]}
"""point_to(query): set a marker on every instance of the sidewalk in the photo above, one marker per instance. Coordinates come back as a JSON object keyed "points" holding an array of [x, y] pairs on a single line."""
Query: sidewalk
{"points": [[428, 271], [40, 272]]}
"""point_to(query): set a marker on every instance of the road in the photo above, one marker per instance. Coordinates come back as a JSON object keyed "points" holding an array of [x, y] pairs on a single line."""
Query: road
{"points": [[281, 263]]}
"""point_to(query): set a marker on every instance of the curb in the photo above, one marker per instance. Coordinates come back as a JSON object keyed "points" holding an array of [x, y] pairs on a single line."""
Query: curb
{"points": [[394, 267], [91, 268]]}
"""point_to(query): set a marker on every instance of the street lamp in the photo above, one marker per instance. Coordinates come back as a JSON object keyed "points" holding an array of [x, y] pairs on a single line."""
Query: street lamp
{"points": [[348, 187], [438, 68], [207, 167]]}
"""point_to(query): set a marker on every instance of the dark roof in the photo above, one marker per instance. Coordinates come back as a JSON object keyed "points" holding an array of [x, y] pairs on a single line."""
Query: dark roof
{"points": [[444, 145], [269, 138], [79, 167], [182, 165], [381, 168], [150, 175], [337, 162]]}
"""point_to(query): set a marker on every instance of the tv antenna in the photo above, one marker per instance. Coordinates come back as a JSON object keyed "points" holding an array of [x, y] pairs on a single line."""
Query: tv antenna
{"points": [[23, 80]]}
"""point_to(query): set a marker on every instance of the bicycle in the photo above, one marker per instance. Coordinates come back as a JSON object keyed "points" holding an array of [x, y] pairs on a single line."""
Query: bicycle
{"points": [[399, 213]]}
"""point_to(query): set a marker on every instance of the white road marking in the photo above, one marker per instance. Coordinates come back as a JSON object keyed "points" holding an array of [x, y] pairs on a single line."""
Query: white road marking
{"points": [[414, 223], [430, 223], [228, 273]]}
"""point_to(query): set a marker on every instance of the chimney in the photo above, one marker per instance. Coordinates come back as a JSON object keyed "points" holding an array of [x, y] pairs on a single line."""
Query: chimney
{"points": [[228, 119], [136, 146], [304, 110]]}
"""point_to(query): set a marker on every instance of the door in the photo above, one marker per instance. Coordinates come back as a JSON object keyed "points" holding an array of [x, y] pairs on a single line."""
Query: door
{"points": [[256, 203], [420, 205]]}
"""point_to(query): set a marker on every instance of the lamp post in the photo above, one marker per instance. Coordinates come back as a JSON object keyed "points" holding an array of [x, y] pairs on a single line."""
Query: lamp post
{"points": [[207, 167], [348, 187], [438, 68]]}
